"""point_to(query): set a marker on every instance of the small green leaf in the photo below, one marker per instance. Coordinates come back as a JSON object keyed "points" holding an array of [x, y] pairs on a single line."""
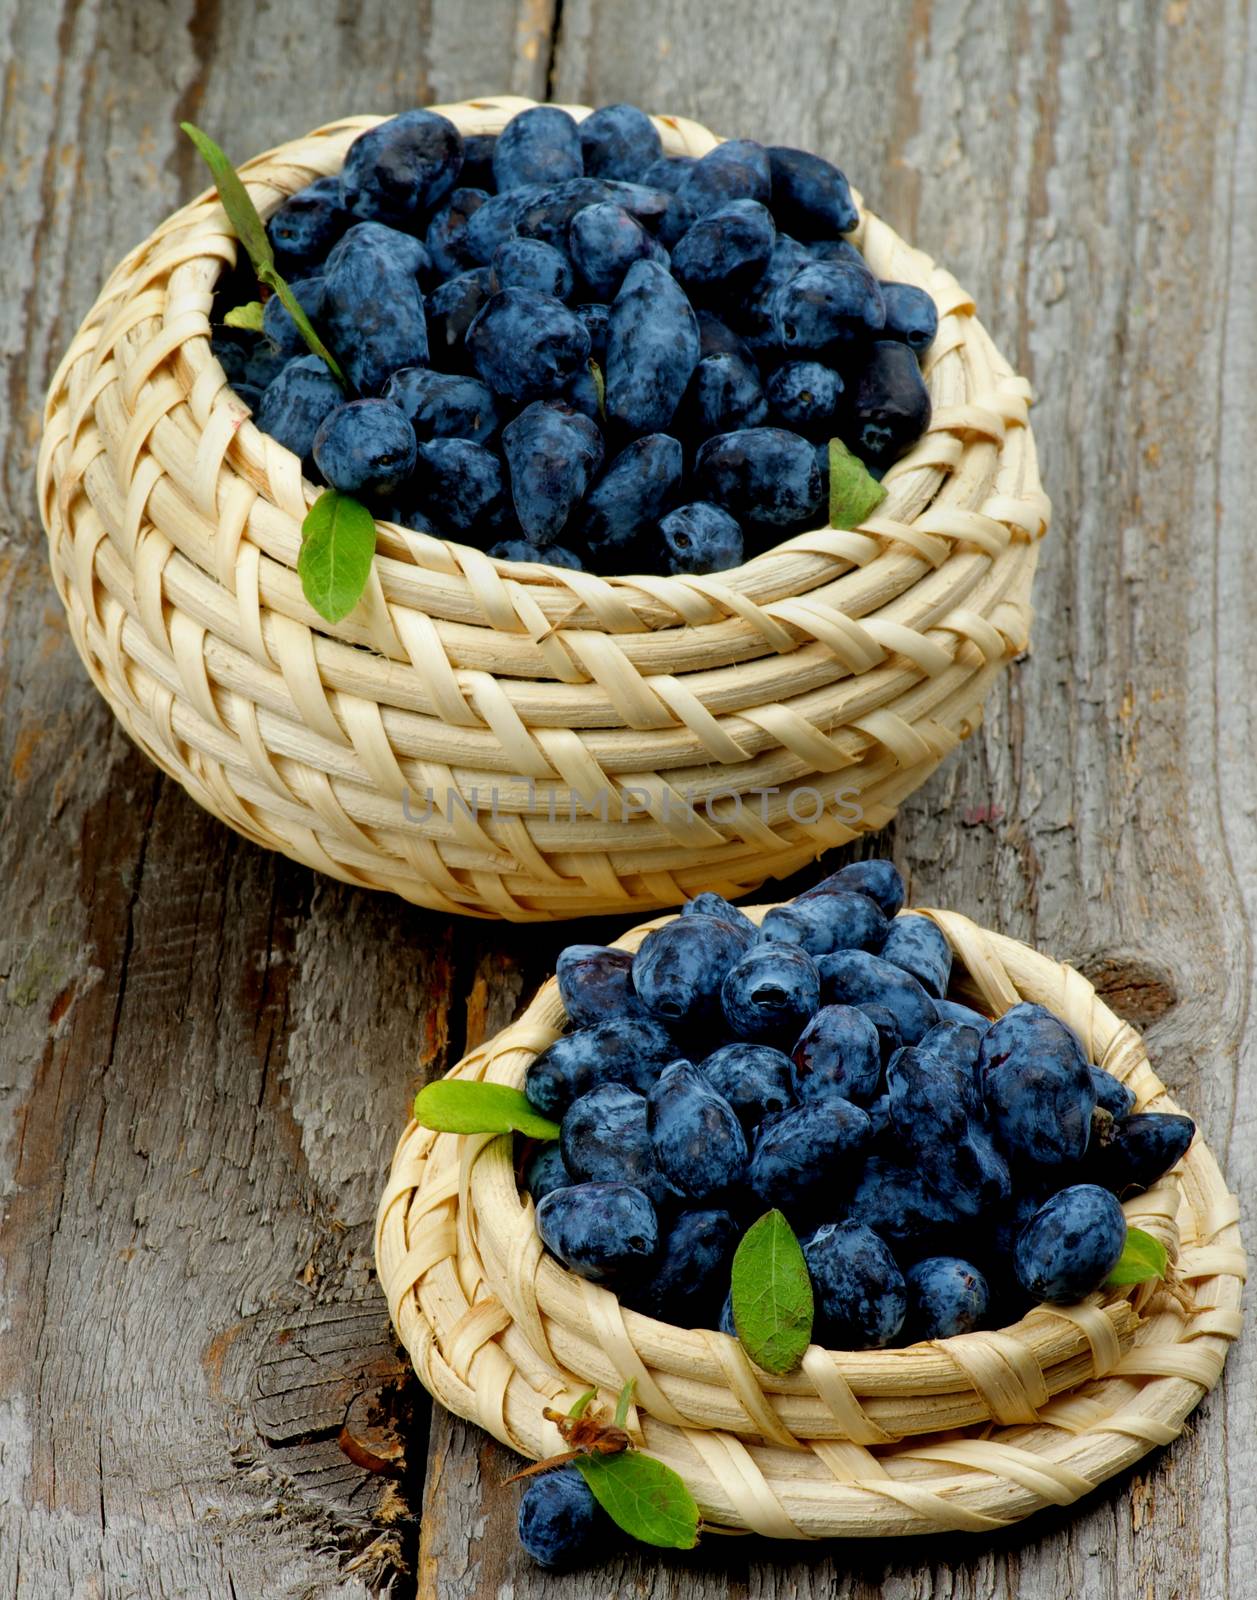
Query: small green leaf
{"points": [[772, 1295], [854, 493], [643, 1497], [1142, 1257], [624, 1402], [581, 1404], [454, 1105], [600, 387], [241, 212], [246, 316], [305, 327], [337, 543]]}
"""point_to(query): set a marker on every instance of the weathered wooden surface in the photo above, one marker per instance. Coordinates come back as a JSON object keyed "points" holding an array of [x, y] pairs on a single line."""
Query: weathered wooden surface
{"points": [[206, 1051]]}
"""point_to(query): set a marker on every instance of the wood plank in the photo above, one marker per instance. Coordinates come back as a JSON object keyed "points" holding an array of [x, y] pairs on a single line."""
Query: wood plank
{"points": [[1089, 174]]}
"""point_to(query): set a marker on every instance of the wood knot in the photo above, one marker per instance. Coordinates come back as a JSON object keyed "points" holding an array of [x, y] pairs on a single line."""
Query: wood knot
{"points": [[1136, 990]]}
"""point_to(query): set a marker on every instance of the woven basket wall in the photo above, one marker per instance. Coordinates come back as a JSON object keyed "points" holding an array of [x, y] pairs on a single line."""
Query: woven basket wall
{"points": [[436, 741], [967, 1433]]}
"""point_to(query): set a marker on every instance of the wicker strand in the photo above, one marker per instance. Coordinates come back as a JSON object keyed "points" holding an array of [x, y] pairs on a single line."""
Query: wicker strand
{"points": [[970, 1433]]}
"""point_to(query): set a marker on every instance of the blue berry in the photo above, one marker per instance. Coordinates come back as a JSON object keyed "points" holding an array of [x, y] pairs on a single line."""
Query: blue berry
{"points": [[710, 904], [595, 983], [946, 1296], [369, 241], [738, 169], [810, 196], [725, 394], [619, 141], [765, 474], [957, 1044], [725, 251], [667, 173], [936, 1115], [580, 393], [554, 555], [306, 226], [652, 349], [755, 317], [700, 538], [920, 947], [597, 320], [755, 1079], [606, 1139], [634, 491], [530, 264], [835, 250], [561, 1525], [444, 405], [398, 170], [698, 1141], [1036, 1083], [880, 1118], [279, 327], [802, 1157], [717, 338], [552, 454], [861, 1298], [373, 312], [854, 977], [838, 1054], [296, 401], [726, 1323], [837, 920], [548, 212], [458, 485], [365, 447], [451, 309], [805, 396], [692, 1270], [526, 345], [889, 405], [545, 1171], [879, 879], [901, 1204], [771, 992], [623, 1049], [1138, 1150], [478, 151], [606, 1232], [827, 307], [540, 145], [1112, 1095], [887, 1025], [446, 236], [605, 241], [497, 220], [910, 315], [680, 967], [1070, 1245], [953, 1011]]}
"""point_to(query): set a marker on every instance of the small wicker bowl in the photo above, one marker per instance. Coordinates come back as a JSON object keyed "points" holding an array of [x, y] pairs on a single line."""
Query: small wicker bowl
{"points": [[967, 1433], [445, 739]]}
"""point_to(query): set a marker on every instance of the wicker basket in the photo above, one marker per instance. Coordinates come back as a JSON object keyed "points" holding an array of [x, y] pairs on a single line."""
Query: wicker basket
{"points": [[445, 740], [966, 1433]]}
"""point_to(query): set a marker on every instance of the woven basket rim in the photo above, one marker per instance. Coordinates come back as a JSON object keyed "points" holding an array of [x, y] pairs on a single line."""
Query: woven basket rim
{"points": [[447, 1206]]}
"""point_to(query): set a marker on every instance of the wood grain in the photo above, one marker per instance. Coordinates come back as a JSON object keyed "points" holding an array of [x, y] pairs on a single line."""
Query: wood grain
{"points": [[205, 1051]]}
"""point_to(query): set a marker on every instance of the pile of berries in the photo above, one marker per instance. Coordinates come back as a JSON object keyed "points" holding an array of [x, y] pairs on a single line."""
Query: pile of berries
{"points": [[943, 1171], [565, 346]]}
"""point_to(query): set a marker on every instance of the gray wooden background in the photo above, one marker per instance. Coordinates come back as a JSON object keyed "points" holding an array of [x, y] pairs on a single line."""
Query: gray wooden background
{"points": [[206, 1052]]}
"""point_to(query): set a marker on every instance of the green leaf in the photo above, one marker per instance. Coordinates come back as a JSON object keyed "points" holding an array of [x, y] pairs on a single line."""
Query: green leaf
{"points": [[246, 316], [305, 327], [643, 1497], [1142, 1257], [581, 1404], [241, 212], [337, 543], [600, 387], [772, 1295], [454, 1105], [623, 1403], [854, 493], [251, 232]]}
